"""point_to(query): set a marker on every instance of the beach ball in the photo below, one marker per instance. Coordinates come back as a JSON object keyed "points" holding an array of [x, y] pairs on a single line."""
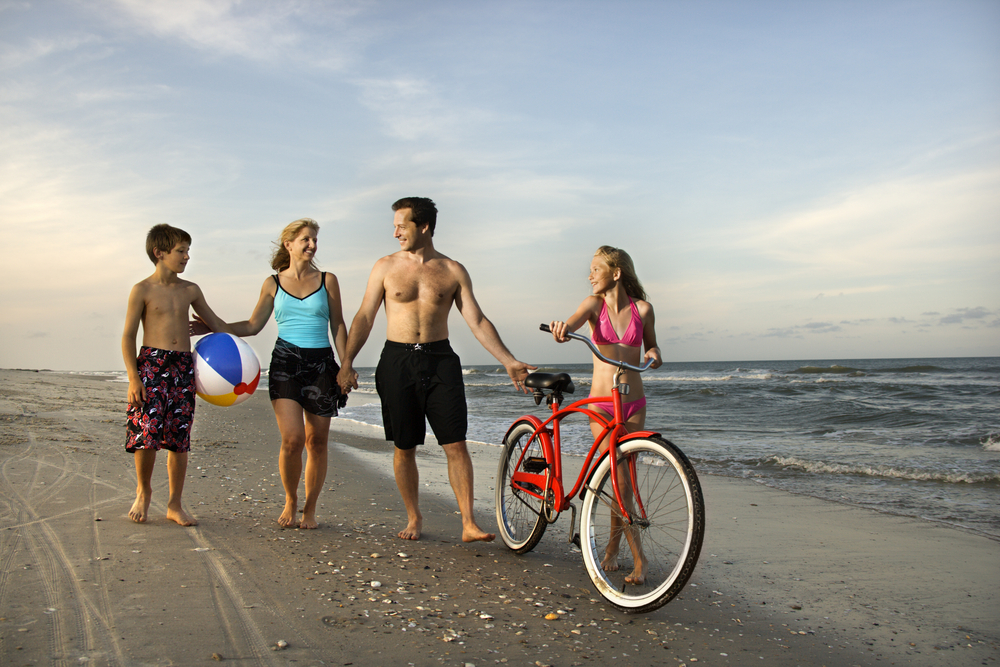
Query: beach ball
{"points": [[226, 370]]}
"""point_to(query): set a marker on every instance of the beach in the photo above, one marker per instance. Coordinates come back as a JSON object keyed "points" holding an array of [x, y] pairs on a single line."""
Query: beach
{"points": [[784, 578]]}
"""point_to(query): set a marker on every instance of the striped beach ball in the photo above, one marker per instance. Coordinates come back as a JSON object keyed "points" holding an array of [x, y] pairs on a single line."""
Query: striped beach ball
{"points": [[226, 370]]}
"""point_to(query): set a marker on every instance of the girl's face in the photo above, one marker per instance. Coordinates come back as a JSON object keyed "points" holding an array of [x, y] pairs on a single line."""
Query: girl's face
{"points": [[602, 277]]}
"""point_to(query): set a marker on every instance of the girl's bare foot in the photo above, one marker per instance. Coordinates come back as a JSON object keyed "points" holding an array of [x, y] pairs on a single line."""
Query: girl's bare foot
{"points": [[180, 517], [476, 534], [610, 561], [140, 508], [309, 521], [638, 575]]}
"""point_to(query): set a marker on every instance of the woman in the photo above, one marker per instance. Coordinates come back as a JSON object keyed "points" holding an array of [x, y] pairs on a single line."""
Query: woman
{"points": [[303, 373], [618, 304]]}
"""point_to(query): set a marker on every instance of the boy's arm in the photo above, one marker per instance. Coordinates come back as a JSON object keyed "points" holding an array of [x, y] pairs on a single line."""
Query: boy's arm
{"points": [[133, 316], [485, 332], [362, 324]]}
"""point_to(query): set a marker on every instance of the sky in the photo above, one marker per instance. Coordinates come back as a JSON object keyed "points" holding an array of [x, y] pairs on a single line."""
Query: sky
{"points": [[793, 180]]}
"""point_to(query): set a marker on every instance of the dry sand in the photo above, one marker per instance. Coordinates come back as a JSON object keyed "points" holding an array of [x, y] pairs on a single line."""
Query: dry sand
{"points": [[783, 580]]}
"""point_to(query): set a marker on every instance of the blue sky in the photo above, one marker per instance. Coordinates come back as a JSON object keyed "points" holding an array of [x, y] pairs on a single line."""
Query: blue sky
{"points": [[794, 180]]}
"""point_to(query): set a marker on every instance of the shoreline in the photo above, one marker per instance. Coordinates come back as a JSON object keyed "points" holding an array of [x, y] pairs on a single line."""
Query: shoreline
{"points": [[785, 578]]}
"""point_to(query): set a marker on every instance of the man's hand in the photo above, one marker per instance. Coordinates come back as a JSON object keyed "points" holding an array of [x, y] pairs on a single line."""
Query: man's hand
{"points": [[518, 372]]}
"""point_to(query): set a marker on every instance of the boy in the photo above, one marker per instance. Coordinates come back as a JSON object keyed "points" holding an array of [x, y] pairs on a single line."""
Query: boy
{"points": [[161, 380]]}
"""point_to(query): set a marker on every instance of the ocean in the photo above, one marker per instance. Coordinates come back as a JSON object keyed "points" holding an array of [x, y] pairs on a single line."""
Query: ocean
{"points": [[912, 437]]}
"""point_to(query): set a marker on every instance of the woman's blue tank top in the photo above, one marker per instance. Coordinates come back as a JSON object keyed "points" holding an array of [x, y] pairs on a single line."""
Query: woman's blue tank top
{"points": [[303, 322]]}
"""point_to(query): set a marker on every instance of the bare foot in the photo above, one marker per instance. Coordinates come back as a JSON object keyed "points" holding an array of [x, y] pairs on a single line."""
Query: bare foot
{"points": [[638, 575], [180, 517], [140, 508], [412, 530], [288, 516], [308, 521], [476, 534], [610, 561]]}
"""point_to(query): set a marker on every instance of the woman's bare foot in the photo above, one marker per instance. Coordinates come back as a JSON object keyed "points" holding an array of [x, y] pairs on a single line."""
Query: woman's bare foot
{"points": [[412, 530], [180, 517], [610, 561], [140, 508], [288, 518]]}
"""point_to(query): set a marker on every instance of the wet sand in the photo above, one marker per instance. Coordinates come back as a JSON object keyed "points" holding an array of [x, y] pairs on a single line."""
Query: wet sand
{"points": [[783, 580]]}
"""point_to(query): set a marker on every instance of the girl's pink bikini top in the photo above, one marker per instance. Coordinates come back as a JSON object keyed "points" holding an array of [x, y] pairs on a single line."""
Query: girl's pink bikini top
{"points": [[605, 333]]}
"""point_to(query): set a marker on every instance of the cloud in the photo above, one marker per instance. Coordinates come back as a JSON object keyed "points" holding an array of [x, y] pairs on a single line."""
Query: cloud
{"points": [[962, 314]]}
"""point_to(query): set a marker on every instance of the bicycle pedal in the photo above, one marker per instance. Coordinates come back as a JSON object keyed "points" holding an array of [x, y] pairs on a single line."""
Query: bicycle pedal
{"points": [[535, 464]]}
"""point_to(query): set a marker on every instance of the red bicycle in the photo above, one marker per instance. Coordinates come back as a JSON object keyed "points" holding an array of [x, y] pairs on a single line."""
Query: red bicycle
{"points": [[642, 489]]}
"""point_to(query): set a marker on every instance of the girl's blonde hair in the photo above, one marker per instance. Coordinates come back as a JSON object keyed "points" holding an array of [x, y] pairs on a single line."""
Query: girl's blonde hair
{"points": [[280, 259], [616, 258]]}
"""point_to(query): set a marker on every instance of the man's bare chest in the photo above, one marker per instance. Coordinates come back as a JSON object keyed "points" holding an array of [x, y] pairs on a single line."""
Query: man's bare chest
{"points": [[430, 288]]}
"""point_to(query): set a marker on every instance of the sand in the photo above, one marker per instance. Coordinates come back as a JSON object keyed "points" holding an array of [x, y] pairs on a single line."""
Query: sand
{"points": [[784, 579]]}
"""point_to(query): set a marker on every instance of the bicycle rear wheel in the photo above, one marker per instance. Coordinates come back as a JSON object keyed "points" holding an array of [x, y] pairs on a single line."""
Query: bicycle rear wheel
{"points": [[519, 514], [668, 524]]}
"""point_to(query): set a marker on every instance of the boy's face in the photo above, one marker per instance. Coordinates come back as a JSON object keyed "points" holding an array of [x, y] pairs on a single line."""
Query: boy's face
{"points": [[176, 259]]}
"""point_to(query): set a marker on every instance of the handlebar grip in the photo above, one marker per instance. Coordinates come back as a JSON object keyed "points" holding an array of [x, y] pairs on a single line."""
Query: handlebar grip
{"points": [[544, 327]]}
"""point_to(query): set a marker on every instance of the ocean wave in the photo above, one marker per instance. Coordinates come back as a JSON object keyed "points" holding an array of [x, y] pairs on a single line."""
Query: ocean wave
{"points": [[915, 369], [992, 442], [838, 370], [825, 468]]}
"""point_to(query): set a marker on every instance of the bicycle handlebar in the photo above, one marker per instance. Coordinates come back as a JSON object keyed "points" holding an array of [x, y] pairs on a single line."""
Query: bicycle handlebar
{"points": [[597, 353]]}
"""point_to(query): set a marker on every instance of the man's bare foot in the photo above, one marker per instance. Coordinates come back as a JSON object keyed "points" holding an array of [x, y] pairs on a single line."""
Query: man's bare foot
{"points": [[288, 518], [412, 530], [610, 561], [638, 575], [309, 521], [140, 508], [476, 534], [180, 517]]}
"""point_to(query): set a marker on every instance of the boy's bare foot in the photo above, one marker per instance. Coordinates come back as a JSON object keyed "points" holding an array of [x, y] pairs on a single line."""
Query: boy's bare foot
{"points": [[288, 516], [140, 508], [610, 561], [309, 521], [476, 534], [180, 517], [412, 530]]}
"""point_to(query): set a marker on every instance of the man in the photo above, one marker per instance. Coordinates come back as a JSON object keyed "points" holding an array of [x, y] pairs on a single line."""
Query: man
{"points": [[418, 374]]}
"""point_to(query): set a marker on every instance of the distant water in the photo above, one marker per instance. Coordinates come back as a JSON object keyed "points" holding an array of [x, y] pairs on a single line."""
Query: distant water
{"points": [[914, 437]]}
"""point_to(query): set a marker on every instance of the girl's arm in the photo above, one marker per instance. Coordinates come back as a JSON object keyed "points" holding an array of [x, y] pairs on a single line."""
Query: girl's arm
{"points": [[649, 334], [587, 312]]}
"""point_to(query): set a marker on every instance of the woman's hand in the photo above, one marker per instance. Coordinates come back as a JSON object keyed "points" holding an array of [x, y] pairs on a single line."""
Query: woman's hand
{"points": [[198, 327]]}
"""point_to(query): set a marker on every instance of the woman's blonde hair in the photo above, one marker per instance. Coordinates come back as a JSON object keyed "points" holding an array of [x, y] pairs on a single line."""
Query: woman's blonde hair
{"points": [[616, 258], [280, 259]]}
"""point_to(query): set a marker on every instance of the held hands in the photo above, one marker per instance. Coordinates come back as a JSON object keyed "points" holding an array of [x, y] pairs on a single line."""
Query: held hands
{"points": [[347, 378]]}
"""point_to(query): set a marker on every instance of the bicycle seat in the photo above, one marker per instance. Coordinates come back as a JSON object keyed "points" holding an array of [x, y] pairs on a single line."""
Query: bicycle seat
{"points": [[560, 382]]}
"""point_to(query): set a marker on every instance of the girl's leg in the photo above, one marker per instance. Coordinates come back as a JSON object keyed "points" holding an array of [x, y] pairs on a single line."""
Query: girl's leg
{"points": [[317, 434], [635, 423], [293, 439]]}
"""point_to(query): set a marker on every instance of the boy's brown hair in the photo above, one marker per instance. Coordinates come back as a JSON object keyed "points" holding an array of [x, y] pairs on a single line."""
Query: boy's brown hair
{"points": [[164, 238]]}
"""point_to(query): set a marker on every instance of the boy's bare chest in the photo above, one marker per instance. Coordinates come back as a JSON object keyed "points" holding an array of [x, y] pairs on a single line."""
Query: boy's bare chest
{"points": [[425, 285], [168, 301]]}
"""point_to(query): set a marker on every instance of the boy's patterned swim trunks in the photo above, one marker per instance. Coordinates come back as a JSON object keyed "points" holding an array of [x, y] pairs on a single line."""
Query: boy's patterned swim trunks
{"points": [[164, 421]]}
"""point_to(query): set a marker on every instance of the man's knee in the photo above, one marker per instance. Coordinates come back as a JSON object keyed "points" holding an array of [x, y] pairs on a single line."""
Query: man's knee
{"points": [[456, 449]]}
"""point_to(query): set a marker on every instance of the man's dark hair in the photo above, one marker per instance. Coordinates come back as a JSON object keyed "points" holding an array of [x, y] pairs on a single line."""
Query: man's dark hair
{"points": [[423, 210]]}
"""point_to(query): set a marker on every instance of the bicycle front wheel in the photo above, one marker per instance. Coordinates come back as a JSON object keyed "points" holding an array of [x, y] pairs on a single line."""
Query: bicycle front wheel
{"points": [[519, 512], [641, 567]]}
